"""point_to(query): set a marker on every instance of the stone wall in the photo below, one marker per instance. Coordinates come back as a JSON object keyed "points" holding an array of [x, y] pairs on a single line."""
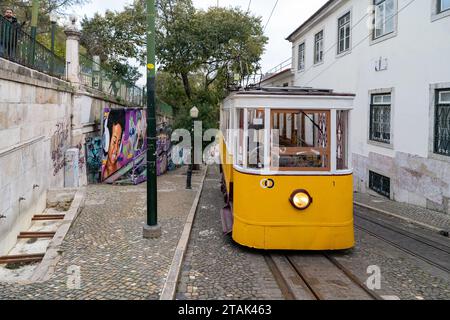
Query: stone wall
{"points": [[415, 180], [40, 118], [35, 130]]}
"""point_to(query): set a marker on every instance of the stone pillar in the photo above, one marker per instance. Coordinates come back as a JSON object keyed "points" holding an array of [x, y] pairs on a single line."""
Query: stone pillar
{"points": [[97, 80], [72, 169], [72, 52]]}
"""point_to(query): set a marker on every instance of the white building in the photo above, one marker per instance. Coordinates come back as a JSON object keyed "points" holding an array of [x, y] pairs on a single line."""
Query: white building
{"points": [[280, 79], [395, 56]]}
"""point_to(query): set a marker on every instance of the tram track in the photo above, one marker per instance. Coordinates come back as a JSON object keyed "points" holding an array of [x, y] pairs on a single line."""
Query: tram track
{"points": [[433, 252], [401, 248], [320, 276], [443, 245], [316, 277]]}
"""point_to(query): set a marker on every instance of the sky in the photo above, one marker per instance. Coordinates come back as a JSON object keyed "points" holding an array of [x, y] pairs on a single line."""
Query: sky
{"points": [[288, 15]]}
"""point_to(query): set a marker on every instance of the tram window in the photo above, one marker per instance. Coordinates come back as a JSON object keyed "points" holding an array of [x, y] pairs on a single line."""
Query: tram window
{"points": [[240, 137], [225, 115], [342, 140], [227, 125], [300, 140], [255, 142]]}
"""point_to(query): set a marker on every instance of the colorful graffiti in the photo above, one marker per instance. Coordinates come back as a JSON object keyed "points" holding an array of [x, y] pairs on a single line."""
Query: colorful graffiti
{"points": [[59, 147], [124, 140], [163, 151], [94, 158]]}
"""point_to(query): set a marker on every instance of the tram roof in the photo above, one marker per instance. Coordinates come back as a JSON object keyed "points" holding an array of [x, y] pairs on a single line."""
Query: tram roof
{"points": [[289, 97]]}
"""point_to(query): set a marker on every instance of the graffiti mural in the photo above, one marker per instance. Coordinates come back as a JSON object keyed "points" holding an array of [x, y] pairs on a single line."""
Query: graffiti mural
{"points": [[58, 146], [94, 158], [163, 150], [124, 140]]}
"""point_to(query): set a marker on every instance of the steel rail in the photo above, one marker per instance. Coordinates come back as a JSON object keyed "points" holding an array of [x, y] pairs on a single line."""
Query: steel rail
{"points": [[412, 253], [307, 283], [429, 242]]}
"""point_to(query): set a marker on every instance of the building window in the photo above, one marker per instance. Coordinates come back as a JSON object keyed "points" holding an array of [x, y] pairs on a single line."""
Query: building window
{"points": [[443, 5], [442, 123], [380, 118], [380, 184], [318, 47], [344, 31], [301, 57], [384, 18]]}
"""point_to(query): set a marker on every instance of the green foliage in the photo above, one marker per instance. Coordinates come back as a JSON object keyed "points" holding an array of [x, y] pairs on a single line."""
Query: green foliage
{"points": [[22, 10], [60, 41], [197, 51], [115, 37], [201, 50], [124, 71]]}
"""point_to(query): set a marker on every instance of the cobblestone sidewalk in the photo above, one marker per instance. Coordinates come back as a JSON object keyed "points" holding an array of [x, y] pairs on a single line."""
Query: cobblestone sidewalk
{"points": [[106, 245], [415, 214], [217, 268]]}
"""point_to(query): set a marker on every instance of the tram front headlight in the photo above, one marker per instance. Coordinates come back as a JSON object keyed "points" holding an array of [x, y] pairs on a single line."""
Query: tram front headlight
{"points": [[301, 199]]}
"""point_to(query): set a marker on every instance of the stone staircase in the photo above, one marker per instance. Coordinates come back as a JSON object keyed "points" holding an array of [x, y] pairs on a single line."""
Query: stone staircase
{"points": [[32, 244]]}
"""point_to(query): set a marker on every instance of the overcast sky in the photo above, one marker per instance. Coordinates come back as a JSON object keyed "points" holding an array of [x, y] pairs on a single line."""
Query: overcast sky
{"points": [[288, 15]]}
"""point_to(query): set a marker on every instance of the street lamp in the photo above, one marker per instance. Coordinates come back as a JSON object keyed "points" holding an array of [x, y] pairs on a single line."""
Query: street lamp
{"points": [[152, 229], [194, 115]]}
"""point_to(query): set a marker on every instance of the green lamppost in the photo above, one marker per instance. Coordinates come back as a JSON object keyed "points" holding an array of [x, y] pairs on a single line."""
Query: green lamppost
{"points": [[34, 21], [152, 229], [53, 19]]}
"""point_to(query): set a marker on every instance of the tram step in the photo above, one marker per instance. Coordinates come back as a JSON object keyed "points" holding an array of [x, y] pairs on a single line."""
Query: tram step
{"points": [[227, 220]]}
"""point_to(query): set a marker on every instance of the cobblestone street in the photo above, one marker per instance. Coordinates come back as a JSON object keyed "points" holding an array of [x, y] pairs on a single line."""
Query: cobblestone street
{"points": [[215, 266], [106, 243], [115, 262], [402, 275], [218, 268]]}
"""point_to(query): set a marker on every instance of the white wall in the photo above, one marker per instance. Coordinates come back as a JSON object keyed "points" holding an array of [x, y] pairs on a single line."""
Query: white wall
{"points": [[30, 152], [279, 80], [416, 58], [40, 118]]}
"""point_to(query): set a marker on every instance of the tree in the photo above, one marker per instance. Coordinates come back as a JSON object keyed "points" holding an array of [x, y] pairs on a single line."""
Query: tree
{"points": [[177, 38], [215, 41], [197, 51], [115, 37], [203, 49], [22, 9]]}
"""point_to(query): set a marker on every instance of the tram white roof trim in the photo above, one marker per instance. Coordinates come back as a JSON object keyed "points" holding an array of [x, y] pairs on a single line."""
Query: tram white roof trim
{"points": [[321, 102]]}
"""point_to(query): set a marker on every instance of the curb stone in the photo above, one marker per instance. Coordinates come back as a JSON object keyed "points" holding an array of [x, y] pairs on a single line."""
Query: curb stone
{"points": [[170, 287], [424, 225]]}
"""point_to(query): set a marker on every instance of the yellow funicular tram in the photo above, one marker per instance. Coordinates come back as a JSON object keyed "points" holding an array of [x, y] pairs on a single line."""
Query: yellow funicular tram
{"points": [[286, 169]]}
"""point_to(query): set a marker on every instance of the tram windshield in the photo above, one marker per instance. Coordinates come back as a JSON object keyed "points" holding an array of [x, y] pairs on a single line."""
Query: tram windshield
{"points": [[291, 140], [300, 140]]}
